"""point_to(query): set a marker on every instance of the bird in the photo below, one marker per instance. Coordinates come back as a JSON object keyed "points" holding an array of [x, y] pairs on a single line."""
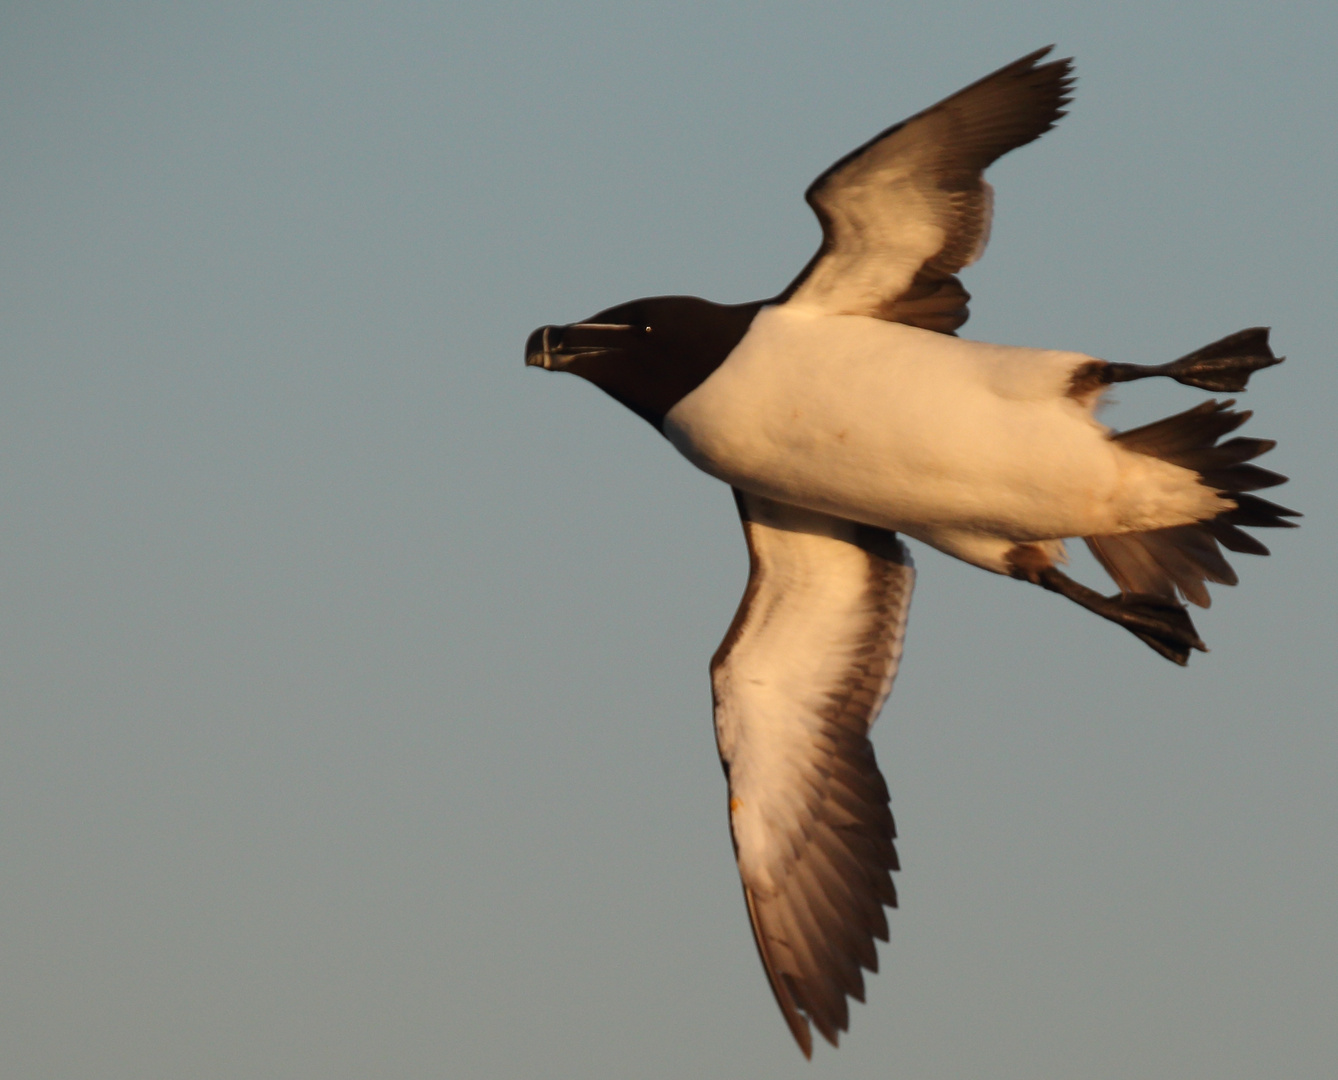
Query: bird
{"points": [[845, 412]]}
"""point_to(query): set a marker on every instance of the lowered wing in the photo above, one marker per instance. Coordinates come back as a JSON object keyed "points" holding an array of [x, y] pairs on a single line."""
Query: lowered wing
{"points": [[798, 680], [904, 212]]}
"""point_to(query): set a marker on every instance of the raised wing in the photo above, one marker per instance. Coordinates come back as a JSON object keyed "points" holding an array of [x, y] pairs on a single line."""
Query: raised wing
{"points": [[798, 680], [904, 212]]}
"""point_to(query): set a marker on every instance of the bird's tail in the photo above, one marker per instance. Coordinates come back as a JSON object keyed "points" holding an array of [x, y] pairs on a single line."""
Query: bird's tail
{"points": [[1180, 559]]}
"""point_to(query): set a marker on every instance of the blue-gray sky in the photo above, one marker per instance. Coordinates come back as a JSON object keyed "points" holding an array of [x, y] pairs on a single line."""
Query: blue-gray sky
{"points": [[353, 707]]}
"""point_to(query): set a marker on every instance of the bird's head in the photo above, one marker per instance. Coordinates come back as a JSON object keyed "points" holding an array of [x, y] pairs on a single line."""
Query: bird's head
{"points": [[648, 354]]}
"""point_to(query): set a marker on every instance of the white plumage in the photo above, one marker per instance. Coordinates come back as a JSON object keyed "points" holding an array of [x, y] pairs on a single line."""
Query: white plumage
{"points": [[971, 447]]}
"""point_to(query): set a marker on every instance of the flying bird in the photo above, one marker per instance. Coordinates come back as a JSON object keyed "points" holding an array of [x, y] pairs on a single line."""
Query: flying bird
{"points": [[845, 411]]}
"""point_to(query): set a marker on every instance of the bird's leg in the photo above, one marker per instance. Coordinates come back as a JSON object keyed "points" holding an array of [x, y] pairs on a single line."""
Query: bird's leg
{"points": [[1162, 624], [1223, 367], [1228, 375]]}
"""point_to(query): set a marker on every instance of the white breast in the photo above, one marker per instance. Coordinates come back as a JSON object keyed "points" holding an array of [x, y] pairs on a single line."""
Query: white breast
{"points": [[903, 428]]}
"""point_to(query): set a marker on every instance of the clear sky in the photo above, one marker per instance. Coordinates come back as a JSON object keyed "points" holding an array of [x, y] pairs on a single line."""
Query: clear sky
{"points": [[354, 719]]}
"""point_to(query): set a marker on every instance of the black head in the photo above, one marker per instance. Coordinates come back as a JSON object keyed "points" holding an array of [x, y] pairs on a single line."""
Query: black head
{"points": [[649, 354]]}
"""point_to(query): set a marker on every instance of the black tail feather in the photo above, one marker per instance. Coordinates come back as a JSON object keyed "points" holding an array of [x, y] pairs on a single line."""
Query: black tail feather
{"points": [[1177, 561], [1258, 513]]}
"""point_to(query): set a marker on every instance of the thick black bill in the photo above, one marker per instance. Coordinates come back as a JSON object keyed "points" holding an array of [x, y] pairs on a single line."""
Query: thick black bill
{"points": [[553, 347]]}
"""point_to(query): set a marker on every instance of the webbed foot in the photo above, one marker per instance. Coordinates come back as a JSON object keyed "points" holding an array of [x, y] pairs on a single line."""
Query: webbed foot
{"points": [[1162, 625], [1223, 367]]}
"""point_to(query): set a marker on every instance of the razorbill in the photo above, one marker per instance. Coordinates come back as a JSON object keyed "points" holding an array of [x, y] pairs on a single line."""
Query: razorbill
{"points": [[845, 410]]}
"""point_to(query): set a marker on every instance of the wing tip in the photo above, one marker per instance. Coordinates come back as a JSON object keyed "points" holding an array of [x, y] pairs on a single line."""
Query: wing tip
{"points": [[794, 1019], [1059, 69]]}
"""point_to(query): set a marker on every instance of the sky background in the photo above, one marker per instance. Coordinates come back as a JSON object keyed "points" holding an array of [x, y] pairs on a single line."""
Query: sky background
{"points": [[354, 719]]}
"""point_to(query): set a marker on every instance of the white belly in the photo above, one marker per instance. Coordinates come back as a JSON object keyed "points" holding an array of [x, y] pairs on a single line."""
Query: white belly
{"points": [[941, 438]]}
